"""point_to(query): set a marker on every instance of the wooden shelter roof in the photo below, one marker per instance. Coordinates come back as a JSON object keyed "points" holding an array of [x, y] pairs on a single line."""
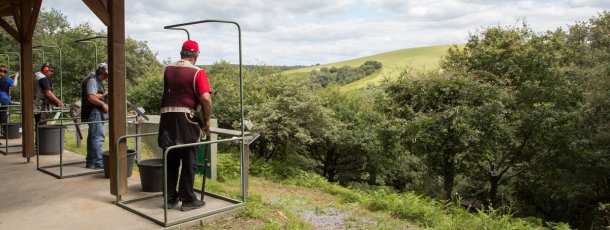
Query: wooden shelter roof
{"points": [[112, 14]]}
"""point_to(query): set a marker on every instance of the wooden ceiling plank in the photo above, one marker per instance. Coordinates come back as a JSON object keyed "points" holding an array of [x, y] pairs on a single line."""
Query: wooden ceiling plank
{"points": [[15, 8], [99, 8], [10, 30], [5, 11]]}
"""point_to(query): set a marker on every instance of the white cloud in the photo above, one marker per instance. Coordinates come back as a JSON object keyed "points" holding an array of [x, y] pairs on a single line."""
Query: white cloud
{"points": [[281, 32]]}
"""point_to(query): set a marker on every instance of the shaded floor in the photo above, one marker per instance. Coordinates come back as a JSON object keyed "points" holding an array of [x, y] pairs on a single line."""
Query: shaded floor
{"points": [[31, 199]]}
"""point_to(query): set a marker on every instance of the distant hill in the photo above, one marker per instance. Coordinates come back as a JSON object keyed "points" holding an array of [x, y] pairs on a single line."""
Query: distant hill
{"points": [[420, 57]]}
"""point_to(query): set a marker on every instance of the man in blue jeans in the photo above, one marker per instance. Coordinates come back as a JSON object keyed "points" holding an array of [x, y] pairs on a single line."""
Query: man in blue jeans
{"points": [[94, 108]]}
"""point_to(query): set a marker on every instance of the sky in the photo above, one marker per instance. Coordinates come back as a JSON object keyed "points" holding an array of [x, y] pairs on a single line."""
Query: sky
{"points": [[288, 32]]}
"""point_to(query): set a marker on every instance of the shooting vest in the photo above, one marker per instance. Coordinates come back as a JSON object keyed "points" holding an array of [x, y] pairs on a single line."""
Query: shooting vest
{"points": [[179, 124], [39, 96], [88, 107], [179, 87]]}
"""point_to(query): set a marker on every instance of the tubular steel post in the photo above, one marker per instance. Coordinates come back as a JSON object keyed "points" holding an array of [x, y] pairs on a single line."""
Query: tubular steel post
{"points": [[61, 86], [42, 51], [8, 114], [188, 35], [86, 40], [95, 45], [18, 55]]}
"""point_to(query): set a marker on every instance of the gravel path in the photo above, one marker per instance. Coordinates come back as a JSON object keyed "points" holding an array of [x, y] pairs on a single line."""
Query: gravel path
{"points": [[332, 218]]}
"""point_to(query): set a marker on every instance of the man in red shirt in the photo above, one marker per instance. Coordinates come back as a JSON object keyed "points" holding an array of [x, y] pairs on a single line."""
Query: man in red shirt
{"points": [[185, 86]]}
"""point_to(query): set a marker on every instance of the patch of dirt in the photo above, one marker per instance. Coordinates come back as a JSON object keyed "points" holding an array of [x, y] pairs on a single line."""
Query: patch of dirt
{"points": [[332, 218]]}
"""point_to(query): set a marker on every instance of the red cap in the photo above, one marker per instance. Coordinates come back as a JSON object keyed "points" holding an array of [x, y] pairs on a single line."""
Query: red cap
{"points": [[190, 46]]}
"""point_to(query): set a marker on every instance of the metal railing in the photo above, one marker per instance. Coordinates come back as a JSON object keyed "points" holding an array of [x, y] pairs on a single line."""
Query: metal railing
{"points": [[165, 222], [241, 139], [6, 128], [61, 150]]}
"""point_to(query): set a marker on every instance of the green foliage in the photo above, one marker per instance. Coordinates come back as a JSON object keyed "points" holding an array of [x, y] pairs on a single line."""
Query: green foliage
{"points": [[343, 75], [425, 212]]}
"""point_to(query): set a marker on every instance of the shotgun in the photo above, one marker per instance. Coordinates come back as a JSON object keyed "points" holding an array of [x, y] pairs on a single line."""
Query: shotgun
{"points": [[137, 110], [74, 117], [140, 113]]}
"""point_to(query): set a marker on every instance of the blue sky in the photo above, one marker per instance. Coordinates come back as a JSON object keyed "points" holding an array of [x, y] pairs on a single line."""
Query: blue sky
{"points": [[282, 32]]}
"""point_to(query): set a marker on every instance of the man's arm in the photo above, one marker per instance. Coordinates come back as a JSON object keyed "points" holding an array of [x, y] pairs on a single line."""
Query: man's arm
{"points": [[49, 94], [15, 79], [95, 100], [206, 102]]}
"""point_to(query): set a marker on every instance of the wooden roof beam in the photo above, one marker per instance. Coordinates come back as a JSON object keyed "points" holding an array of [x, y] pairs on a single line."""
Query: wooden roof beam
{"points": [[100, 9], [16, 14], [10, 30]]}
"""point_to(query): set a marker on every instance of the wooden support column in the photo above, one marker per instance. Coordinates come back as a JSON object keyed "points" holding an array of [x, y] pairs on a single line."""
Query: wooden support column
{"points": [[116, 85], [28, 15]]}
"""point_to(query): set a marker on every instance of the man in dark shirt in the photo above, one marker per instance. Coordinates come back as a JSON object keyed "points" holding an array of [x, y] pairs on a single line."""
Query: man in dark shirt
{"points": [[44, 98]]}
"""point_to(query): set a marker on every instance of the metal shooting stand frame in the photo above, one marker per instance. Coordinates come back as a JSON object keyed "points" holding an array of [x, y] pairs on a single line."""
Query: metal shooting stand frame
{"points": [[61, 151], [241, 138]]}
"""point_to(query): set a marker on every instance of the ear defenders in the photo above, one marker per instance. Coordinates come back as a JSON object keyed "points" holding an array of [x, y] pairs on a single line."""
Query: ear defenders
{"points": [[45, 69]]}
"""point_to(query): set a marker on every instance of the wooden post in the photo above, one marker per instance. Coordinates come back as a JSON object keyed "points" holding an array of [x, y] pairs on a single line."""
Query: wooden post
{"points": [[116, 85], [26, 23]]}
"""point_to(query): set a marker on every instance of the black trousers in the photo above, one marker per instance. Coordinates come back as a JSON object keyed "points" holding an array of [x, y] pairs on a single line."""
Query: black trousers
{"points": [[186, 191], [3, 114]]}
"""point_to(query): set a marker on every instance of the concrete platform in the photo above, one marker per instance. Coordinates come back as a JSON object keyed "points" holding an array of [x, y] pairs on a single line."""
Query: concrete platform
{"points": [[32, 199]]}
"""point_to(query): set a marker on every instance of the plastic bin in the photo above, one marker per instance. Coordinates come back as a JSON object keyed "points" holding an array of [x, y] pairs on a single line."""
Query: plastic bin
{"points": [[151, 174], [14, 130], [131, 159], [51, 138]]}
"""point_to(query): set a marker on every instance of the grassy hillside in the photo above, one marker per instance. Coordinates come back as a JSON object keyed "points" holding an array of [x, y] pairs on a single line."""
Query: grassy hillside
{"points": [[307, 201], [420, 57]]}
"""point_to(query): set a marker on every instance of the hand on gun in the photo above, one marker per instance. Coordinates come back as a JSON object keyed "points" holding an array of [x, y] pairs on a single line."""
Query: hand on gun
{"points": [[100, 96]]}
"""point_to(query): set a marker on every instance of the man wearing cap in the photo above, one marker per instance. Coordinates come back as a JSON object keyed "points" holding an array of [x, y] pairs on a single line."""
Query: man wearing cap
{"points": [[6, 83], [43, 92], [185, 87], [94, 107]]}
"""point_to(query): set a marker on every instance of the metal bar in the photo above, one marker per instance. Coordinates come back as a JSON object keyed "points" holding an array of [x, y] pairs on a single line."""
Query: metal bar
{"points": [[6, 129], [86, 40], [42, 54], [61, 164], [188, 35], [165, 221]]}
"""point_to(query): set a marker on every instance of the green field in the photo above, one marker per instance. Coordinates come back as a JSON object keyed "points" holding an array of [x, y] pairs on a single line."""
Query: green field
{"points": [[393, 61]]}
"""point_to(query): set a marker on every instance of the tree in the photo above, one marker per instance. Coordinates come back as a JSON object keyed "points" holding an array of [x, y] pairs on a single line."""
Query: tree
{"points": [[534, 71], [431, 114]]}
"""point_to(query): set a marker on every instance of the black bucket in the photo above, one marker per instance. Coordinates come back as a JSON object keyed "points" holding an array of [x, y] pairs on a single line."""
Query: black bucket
{"points": [[14, 130], [151, 174], [51, 139], [131, 159]]}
